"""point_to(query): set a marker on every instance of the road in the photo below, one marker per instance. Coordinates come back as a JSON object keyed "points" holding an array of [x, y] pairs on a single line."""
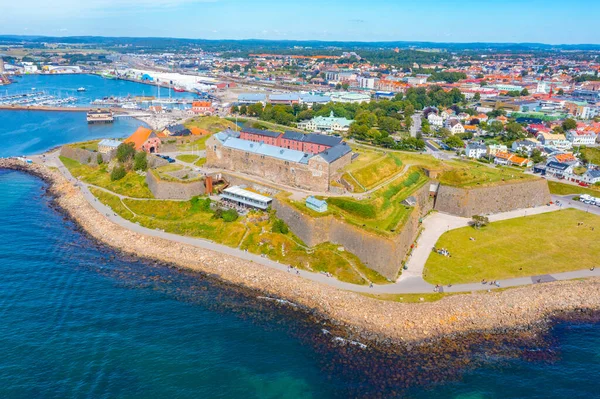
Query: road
{"points": [[411, 281]]}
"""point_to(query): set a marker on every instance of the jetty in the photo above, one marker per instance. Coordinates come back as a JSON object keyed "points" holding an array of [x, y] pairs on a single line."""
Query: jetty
{"points": [[100, 116]]}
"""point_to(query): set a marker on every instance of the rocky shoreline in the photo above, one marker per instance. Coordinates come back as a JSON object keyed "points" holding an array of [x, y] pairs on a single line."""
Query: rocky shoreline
{"points": [[515, 315]]}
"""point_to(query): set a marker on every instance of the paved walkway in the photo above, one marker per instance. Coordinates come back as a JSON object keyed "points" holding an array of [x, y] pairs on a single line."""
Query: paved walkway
{"points": [[411, 280]]}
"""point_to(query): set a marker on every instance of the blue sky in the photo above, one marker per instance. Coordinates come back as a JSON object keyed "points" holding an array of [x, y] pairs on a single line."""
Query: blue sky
{"points": [[549, 21]]}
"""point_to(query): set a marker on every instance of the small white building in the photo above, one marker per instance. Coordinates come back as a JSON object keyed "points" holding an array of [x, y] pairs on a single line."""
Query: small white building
{"points": [[435, 120], [455, 126], [105, 146], [326, 124], [577, 138], [475, 150]]}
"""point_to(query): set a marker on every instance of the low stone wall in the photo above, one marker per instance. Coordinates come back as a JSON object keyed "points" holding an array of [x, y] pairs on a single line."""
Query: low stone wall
{"points": [[468, 202], [82, 156], [382, 254], [172, 190]]}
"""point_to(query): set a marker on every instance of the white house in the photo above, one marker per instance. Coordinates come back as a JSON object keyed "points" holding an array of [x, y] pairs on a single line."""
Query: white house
{"points": [[493, 149], [558, 141], [577, 138], [326, 124], [526, 146], [559, 170], [475, 150], [592, 176], [435, 120], [455, 126]]}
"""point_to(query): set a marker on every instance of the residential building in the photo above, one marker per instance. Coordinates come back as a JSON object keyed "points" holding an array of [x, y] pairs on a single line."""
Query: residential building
{"points": [[558, 141], [435, 120], [493, 149], [203, 107], [592, 176], [505, 158], [177, 130], [326, 124], [578, 138], [558, 170], [527, 145], [455, 126], [107, 145], [475, 150]]}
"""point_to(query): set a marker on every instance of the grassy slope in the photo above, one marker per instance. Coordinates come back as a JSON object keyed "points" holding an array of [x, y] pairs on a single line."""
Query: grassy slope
{"points": [[471, 174], [567, 189], [131, 185], [213, 124], [528, 246], [198, 144], [592, 155], [188, 158], [181, 217]]}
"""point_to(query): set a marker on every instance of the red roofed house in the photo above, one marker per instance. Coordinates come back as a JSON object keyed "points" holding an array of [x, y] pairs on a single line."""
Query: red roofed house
{"points": [[203, 107], [144, 139]]}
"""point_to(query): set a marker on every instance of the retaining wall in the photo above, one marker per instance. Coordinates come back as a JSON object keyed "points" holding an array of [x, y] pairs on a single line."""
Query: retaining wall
{"points": [[468, 202], [83, 156], [172, 190]]}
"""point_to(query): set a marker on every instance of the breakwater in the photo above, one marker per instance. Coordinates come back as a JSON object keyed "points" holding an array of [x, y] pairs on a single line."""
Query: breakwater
{"points": [[528, 309]]}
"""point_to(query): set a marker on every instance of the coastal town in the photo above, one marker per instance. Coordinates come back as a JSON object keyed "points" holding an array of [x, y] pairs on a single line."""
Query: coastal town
{"points": [[411, 194]]}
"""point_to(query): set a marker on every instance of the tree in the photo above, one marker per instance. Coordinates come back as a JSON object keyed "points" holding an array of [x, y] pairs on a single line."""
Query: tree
{"points": [[280, 227], [118, 173], [125, 152], [514, 131], [454, 142], [140, 161], [479, 221], [569, 124], [443, 132], [408, 121], [536, 156], [243, 109], [560, 92], [99, 159], [496, 127], [235, 109], [524, 92], [477, 97]]}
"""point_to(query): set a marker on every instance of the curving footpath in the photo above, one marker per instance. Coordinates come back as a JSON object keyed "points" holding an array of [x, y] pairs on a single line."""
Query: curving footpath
{"points": [[410, 282]]}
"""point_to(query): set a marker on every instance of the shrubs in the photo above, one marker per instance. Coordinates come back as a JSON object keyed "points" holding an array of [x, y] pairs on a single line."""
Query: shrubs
{"points": [[99, 159], [229, 215], [279, 226], [118, 173], [200, 204], [125, 152], [140, 161]]}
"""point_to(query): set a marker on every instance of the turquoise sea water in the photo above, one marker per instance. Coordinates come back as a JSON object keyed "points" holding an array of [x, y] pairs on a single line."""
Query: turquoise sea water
{"points": [[33, 132], [78, 320]]}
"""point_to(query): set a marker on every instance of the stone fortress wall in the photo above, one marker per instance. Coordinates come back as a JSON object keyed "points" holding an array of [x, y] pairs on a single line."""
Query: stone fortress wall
{"points": [[173, 190], [467, 202], [382, 254], [386, 254]]}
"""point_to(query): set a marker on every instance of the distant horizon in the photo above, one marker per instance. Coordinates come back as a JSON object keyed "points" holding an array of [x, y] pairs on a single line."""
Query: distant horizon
{"points": [[494, 21], [278, 40]]}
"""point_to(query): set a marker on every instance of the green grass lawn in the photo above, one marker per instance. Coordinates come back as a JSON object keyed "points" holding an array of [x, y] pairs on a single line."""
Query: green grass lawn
{"points": [[383, 212], [213, 124], [132, 185], [86, 145], [188, 158], [377, 171], [187, 218], [198, 144], [200, 162], [567, 189], [526, 246], [471, 174], [592, 155]]}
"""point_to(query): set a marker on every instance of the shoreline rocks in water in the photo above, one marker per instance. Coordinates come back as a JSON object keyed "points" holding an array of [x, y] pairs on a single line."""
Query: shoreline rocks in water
{"points": [[525, 311]]}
